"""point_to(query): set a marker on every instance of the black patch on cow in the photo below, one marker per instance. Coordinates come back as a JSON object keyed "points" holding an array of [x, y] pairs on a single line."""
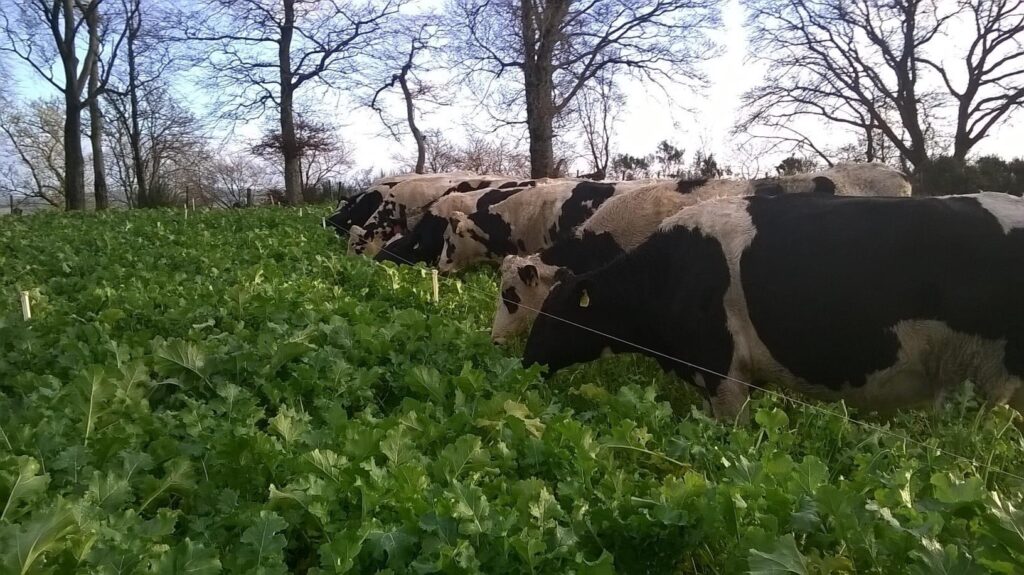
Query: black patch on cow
{"points": [[468, 186], [498, 232], [425, 242], [528, 274], [427, 238], [390, 185], [667, 295], [511, 299], [399, 250], [582, 254], [521, 245], [495, 196], [823, 185], [688, 186], [520, 184], [826, 278], [581, 204], [355, 212]]}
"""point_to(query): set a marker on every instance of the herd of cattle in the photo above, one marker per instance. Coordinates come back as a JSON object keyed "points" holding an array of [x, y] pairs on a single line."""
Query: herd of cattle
{"points": [[837, 283]]}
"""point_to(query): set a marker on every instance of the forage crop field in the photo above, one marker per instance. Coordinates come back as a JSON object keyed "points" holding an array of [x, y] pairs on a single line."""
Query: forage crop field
{"points": [[230, 393]]}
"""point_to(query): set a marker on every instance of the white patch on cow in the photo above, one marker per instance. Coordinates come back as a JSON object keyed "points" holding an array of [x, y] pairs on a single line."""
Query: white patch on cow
{"points": [[631, 217], [728, 221], [1009, 210], [933, 359], [531, 297]]}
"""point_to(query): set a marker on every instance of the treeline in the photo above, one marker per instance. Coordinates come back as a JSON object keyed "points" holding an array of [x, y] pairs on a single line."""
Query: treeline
{"points": [[148, 96]]}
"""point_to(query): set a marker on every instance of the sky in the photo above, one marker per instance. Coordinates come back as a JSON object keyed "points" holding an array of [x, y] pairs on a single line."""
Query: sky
{"points": [[689, 120]]}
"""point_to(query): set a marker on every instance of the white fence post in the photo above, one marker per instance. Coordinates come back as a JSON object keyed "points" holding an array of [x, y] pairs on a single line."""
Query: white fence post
{"points": [[26, 306], [437, 288]]}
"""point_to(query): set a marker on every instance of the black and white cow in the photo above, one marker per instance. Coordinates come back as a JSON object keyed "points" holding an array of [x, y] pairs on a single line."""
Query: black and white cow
{"points": [[882, 302], [624, 222], [406, 203], [619, 225], [356, 210], [525, 223], [425, 240]]}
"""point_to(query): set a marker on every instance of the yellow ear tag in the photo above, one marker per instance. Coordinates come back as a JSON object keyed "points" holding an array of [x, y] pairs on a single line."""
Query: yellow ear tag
{"points": [[585, 299]]}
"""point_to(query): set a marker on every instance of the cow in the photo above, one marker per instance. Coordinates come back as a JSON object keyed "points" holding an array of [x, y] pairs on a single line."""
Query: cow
{"points": [[884, 303], [357, 209], [619, 225], [405, 204], [425, 240], [843, 179], [624, 222], [525, 223]]}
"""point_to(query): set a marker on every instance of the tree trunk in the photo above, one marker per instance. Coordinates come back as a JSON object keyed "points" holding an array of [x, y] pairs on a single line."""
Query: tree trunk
{"points": [[74, 161], [540, 122], [133, 95], [96, 137], [538, 82], [410, 114], [289, 144]]}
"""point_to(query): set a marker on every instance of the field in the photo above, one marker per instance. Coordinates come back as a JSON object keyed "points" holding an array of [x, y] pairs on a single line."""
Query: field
{"points": [[231, 393]]}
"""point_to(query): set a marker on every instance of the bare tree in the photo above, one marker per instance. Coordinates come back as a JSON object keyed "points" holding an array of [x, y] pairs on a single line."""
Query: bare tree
{"points": [[322, 152], [262, 52], [171, 142], [35, 165], [41, 32], [97, 32], [597, 108], [439, 153], [554, 48], [866, 65], [413, 38], [993, 84], [234, 176]]}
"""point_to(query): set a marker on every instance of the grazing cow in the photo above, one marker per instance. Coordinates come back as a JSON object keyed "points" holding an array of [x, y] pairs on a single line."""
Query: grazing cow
{"points": [[425, 240], [619, 225], [882, 302], [406, 202], [357, 209], [625, 221], [525, 223], [845, 179]]}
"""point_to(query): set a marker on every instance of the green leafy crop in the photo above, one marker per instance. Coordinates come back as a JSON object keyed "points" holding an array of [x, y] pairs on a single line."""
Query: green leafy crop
{"points": [[231, 394]]}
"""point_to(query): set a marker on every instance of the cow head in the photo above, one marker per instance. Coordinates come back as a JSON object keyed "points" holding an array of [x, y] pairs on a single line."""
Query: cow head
{"points": [[525, 283], [571, 324], [354, 211], [463, 244]]}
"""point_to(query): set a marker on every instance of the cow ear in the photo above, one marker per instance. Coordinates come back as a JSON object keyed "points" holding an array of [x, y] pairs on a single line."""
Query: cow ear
{"points": [[562, 274], [528, 274]]}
